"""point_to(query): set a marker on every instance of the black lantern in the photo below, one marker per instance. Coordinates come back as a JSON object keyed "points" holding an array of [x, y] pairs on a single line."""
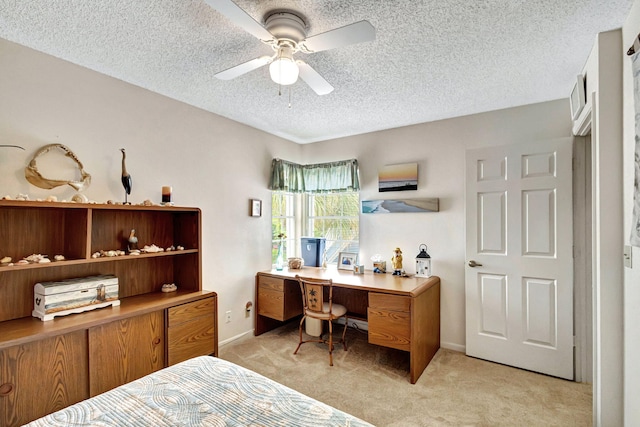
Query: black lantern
{"points": [[423, 262]]}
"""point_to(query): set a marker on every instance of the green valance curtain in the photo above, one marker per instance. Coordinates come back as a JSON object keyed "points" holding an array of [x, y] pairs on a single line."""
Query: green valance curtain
{"points": [[316, 178]]}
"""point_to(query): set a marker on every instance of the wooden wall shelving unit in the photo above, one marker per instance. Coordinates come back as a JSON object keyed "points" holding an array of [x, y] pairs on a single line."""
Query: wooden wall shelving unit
{"points": [[75, 352]]}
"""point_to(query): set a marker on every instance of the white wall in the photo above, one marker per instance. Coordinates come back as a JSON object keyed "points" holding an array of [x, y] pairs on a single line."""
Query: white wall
{"points": [[630, 30], [439, 149], [203, 156]]}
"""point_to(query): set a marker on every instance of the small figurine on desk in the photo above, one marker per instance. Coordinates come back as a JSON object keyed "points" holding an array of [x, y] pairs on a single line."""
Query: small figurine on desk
{"points": [[133, 241], [396, 261]]}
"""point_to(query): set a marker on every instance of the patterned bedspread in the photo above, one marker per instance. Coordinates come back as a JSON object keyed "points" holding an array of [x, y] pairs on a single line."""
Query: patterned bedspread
{"points": [[204, 391]]}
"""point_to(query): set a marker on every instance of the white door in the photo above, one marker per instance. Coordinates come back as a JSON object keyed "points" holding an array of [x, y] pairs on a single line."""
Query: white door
{"points": [[519, 269]]}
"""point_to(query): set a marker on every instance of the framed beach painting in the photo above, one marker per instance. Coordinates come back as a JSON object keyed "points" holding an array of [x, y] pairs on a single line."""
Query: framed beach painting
{"points": [[400, 205], [398, 177]]}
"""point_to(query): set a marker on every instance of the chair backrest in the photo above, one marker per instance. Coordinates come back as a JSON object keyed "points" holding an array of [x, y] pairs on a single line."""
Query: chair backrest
{"points": [[313, 294]]}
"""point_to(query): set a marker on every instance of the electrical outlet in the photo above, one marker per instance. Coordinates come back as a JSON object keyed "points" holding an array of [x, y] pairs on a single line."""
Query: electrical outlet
{"points": [[227, 316]]}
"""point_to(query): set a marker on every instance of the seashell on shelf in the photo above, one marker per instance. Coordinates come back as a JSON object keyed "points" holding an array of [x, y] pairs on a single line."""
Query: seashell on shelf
{"points": [[5, 260], [95, 255], [59, 257], [180, 248], [36, 258], [79, 198], [169, 287], [151, 249], [51, 199]]}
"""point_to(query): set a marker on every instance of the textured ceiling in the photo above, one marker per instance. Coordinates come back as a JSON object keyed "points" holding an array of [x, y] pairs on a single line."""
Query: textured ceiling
{"points": [[432, 59]]}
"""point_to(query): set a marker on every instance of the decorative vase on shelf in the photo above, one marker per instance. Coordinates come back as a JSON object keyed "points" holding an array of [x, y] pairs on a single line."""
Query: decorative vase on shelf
{"points": [[279, 258]]}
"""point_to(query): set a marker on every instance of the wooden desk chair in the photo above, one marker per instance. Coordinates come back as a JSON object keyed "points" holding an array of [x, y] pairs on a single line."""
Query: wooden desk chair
{"points": [[315, 307]]}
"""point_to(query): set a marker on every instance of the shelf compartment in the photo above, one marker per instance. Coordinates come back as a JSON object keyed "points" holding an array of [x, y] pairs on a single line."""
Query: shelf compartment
{"points": [[48, 231], [110, 228], [136, 275]]}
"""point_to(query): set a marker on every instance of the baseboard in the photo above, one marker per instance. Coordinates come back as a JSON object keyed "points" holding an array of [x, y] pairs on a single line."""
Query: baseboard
{"points": [[236, 338], [453, 346]]}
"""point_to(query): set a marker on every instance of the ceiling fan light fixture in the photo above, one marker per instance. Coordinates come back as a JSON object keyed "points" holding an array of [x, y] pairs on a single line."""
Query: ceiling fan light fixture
{"points": [[283, 69]]}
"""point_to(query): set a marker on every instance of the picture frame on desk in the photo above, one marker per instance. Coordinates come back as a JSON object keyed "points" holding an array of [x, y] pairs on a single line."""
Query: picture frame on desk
{"points": [[346, 260]]}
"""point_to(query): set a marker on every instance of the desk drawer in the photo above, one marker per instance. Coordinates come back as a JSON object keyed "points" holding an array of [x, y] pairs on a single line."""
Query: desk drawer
{"points": [[389, 328], [272, 283], [278, 299], [389, 302], [389, 319]]}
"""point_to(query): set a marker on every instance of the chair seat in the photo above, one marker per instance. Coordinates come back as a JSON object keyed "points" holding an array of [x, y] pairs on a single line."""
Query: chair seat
{"points": [[337, 310]]}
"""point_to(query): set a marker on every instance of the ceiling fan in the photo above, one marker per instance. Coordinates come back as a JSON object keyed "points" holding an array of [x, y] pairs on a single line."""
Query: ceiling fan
{"points": [[286, 33]]}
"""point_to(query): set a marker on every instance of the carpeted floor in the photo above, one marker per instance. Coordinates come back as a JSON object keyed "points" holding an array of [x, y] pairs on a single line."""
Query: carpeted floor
{"points": [[372, 383]]}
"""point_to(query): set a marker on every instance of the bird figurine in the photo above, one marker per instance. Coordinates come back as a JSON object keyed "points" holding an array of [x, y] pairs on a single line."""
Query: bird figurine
{"points": [[126, 178], [133, 241]]}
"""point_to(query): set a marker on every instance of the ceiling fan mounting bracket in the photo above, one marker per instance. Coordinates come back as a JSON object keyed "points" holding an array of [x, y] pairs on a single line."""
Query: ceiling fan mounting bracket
{"points": [[286, 26]]}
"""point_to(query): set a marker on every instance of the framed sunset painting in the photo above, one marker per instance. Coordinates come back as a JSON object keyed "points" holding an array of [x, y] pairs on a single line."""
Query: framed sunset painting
{"points": [[398, 177]]}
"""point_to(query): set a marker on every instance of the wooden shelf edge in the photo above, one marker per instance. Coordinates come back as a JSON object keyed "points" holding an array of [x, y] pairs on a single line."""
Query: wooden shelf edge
{"points": [[28, 329], [67, 205], [18, 267]]}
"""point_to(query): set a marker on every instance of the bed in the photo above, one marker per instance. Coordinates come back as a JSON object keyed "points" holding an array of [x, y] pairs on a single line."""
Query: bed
{"points": [[203, 391]]}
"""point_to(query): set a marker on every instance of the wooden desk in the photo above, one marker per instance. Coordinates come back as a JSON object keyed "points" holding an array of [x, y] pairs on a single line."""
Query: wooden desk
{"points": [[402, 312]]}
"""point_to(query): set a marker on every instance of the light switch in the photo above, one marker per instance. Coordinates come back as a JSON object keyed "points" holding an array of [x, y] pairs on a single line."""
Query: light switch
{"points": [[627, 256]]}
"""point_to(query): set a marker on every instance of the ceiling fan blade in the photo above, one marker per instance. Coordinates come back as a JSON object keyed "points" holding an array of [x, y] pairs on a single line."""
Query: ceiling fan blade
{"points": [[313, 79], [358, 32], [238, 70], [239, 17]]}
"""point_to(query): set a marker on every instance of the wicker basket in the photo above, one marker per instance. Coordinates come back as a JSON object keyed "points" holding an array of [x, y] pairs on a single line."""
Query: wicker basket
{"points": [[295, 263]]}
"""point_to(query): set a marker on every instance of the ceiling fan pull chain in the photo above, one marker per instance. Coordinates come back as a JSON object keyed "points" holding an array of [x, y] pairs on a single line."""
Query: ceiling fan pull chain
{"points": [[289, 96]]}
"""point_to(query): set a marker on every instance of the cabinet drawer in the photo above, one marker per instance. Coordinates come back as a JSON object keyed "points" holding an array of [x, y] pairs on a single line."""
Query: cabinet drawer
{"points": [[186, 312], [389, 328], [191, 339], [389, 302], [191, 330]]}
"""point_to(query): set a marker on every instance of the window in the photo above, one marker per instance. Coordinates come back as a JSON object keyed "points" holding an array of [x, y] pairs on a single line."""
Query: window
{"points": [[283, 227], [334, 216]]}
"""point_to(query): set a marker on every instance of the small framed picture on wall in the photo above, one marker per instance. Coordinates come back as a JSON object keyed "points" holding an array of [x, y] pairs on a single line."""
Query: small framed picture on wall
{"points": [[255, 207]]}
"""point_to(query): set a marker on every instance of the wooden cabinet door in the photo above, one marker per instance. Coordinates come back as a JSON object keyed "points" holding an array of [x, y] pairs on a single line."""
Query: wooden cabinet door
{"points": [[125, 350], [41, 377]]}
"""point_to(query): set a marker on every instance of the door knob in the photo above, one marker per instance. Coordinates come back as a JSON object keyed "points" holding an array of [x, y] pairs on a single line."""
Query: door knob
{"points": [[472, 263]]}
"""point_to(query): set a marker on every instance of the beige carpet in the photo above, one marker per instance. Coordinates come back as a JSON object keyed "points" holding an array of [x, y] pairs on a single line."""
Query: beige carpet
{"points": [[371, 382]]}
